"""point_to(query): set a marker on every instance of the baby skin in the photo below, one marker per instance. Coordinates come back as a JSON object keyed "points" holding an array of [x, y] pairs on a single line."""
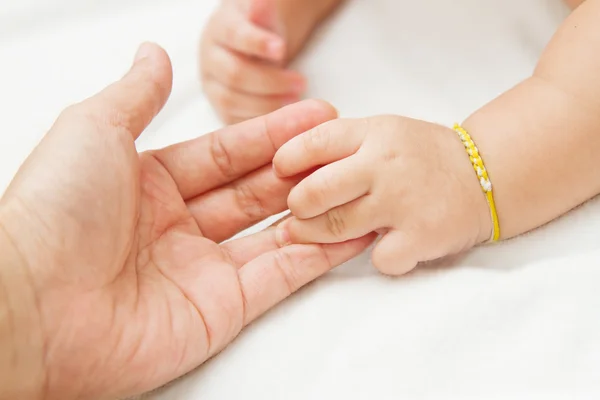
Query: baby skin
{"points": [[245, 51], [412, 181]]}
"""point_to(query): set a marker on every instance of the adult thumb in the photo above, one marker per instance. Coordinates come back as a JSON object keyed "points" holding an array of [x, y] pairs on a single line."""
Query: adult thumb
{"points": [[134, 101]]}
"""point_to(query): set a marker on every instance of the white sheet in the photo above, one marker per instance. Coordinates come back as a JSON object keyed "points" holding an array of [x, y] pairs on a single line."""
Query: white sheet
{"points": [[520, 320]]}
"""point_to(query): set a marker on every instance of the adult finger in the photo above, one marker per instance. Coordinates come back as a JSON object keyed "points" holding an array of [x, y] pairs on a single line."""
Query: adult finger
{"points": [[232, 104], [269, 279], [245, 249], [131, 103], [210, 161], [235, 31], [248, 75], [225, 211], [321, 145], [339, 224], [329, 187]]}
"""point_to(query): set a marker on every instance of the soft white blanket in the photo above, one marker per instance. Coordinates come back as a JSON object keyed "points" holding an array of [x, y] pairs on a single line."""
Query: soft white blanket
{"points": [[520, 320]]}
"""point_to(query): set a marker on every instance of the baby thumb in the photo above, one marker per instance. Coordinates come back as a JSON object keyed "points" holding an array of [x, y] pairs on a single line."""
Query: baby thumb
{"points": [[395, 254]]}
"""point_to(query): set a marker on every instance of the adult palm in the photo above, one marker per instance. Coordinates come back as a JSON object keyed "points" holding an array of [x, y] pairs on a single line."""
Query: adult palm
{"points": [[121, 249]]}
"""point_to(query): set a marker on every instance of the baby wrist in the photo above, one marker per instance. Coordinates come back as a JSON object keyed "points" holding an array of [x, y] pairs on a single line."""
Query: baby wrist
{"points": [[493, 234]]}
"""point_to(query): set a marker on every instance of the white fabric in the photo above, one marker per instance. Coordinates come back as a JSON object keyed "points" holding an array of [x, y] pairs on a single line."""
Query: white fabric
{"points": [[520, 320]]}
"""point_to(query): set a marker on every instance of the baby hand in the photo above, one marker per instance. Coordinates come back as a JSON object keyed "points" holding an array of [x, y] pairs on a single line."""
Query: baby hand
{"points": [[241, 61], [410, 180]]}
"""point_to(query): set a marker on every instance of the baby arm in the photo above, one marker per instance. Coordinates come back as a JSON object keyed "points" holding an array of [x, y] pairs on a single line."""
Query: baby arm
{"points": [[413, 181], [541, 139]]}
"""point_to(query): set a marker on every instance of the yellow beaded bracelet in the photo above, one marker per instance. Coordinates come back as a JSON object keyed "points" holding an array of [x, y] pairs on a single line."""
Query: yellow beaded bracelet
{"points": [[484, 179]]}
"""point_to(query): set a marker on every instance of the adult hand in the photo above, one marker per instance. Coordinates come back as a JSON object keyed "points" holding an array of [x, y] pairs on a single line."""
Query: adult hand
{"points": [[110, 266]]}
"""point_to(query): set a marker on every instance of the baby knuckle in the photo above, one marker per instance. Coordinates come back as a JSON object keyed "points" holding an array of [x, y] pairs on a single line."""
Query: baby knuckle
{"points": [[314, 194], [335, 223], [233, 73], [317, 139]]}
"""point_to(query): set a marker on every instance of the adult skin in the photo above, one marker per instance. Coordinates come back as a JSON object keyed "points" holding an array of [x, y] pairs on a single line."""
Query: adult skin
{"points": [[112, 278]]}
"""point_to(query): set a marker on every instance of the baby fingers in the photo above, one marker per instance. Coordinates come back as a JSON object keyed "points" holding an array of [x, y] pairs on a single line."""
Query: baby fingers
{"points": [[397, 253], [236, 32], [322, 145], [400, 250], [340, 224], [329, 187], [238, 106], [244, 74]]}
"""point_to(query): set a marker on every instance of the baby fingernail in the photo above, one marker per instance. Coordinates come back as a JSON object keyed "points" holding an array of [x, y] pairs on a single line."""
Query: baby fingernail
{"points": [[282, 237]]}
